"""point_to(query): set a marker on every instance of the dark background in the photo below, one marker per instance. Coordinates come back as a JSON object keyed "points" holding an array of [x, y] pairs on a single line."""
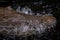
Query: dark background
{"points": [[56, 13]]}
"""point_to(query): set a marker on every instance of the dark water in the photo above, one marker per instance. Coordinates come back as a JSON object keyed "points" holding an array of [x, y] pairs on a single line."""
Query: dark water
{"points": [[52, 6]]}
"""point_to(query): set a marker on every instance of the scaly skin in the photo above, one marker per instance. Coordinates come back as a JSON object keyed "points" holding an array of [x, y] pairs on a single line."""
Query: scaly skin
{"points": [[13, 23]]}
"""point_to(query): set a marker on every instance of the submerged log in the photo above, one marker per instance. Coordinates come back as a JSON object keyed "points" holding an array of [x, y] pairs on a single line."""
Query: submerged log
{"points": [[14, 23]]}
